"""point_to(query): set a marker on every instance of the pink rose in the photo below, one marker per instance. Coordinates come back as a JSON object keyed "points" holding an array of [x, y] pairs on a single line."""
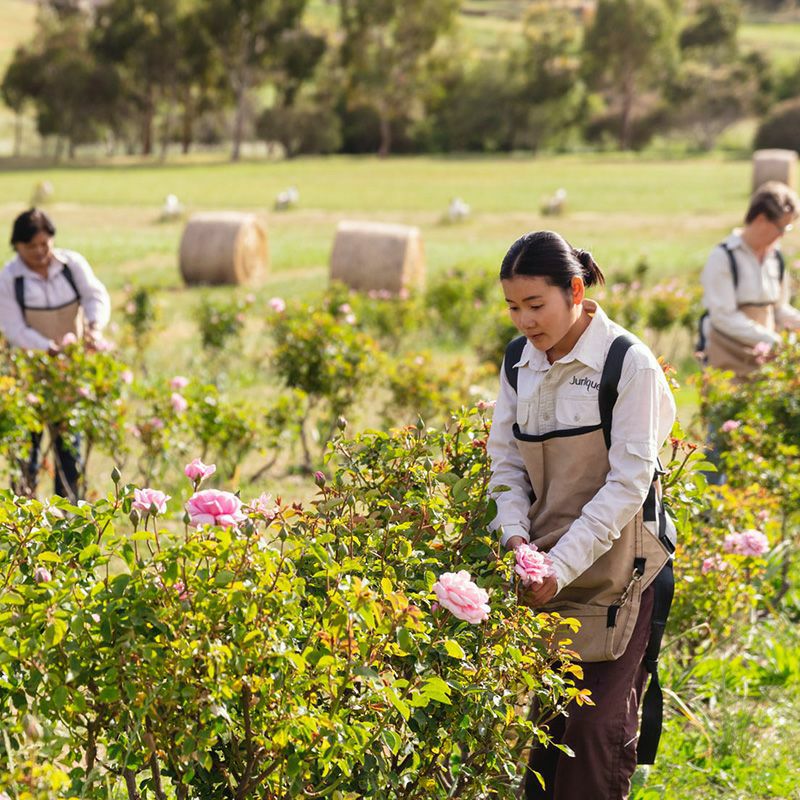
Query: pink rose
{"points": [[126, 376], [485, 405], [277, 304], [747, 543], [715, 563], [532, 565], [178, 383], [157, 423], [197, 471], [179, 403], [350, 319], [103, 345], [144, 500], [68, 339], [461, 597], [32, 399], [214, 507], [179, 587], [42, 575], [249, 298], [83, 391], [263, 506], [344, 308], [730, 425]]}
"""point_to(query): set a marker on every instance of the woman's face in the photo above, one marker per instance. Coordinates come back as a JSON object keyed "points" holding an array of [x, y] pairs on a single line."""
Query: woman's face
{"points": [[38, 252], [542, 312]]}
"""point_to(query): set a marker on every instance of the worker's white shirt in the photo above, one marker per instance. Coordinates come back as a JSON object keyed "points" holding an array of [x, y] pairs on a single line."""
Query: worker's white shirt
{"points": [[758, 283], [564, 396], [50, 292]]}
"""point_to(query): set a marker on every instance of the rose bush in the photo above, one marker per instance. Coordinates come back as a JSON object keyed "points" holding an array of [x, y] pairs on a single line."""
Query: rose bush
{"points": [[296, 652]]}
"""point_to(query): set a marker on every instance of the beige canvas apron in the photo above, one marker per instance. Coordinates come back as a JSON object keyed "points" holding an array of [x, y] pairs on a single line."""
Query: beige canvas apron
{"points": [[566, 470], [55, 323], [726, 353]]}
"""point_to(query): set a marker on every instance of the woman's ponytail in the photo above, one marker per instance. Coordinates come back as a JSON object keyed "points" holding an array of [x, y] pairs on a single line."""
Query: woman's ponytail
{"points": [[592, 275]]}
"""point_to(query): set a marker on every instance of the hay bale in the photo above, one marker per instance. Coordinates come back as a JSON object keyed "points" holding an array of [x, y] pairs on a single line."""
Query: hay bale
{"points": [[376, 256], [775, 165], [223, 247]]}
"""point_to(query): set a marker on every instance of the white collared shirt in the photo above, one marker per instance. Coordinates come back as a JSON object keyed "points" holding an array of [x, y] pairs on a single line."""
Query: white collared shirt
{"points": [[50, 292], [562, 396], [757, 283]]}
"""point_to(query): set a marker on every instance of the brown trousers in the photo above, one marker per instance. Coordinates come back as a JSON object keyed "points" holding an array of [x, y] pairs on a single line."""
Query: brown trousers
{"points": [[603, 736]]}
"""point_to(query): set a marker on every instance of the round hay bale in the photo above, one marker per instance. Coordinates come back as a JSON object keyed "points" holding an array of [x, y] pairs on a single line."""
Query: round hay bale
{"points": [[223, 247], [775, 165], [377, 256]]}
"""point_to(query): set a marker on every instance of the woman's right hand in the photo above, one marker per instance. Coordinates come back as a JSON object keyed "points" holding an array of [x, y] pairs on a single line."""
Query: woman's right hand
{"points": [[514, 542]]}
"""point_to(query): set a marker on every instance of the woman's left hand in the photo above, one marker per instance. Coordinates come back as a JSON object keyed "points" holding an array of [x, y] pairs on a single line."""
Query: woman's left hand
{"points": [[536, 595]]}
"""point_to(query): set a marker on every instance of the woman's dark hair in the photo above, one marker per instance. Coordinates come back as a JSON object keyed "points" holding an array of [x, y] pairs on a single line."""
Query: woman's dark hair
{"points": [[774, 200], [548, 255], [29, 223]]}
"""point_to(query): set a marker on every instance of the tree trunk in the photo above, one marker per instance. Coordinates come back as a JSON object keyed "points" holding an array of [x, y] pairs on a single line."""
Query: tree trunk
{"points": [[187, 127], [386, 136], [238, 123], [18, 134], [147, 124]]}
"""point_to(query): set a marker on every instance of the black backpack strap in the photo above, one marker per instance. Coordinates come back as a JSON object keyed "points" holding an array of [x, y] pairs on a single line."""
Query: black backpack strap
{"points": [[732, 263], [513, 354], [781, 265], [609, 381], [19, 292], [71, 281], [653, 701]]}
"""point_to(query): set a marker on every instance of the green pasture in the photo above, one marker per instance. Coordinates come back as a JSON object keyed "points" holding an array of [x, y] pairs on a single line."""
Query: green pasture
{"points": [[667, 212]]}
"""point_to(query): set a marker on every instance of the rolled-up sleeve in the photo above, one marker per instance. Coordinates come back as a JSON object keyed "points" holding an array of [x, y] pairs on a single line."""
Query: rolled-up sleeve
{"points": [[508, 469], [719, 297], [95, 301], [12, 321], [643, 417]]}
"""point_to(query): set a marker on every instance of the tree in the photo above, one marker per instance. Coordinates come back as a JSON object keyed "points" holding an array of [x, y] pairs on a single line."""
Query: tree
{"points": [[245, 36], [387, 51], [629, 49], [136, 41], [72, 94]]}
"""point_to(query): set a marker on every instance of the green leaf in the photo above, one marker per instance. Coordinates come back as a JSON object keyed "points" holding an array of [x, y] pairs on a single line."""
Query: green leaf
{"points": [[48, 555], [89, 552], [223, 577], [454, 649], [401, 706]]}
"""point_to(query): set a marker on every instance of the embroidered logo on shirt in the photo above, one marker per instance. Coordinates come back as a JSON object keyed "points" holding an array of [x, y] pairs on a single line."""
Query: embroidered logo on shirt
{"points": [[587, 382]]}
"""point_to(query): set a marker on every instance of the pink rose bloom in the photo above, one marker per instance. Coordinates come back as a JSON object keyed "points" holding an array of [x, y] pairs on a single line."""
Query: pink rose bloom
{"points": [[130, 307], [178, 383], [485, 405], [747, 543], [264, 506], [763, 515], [344, 308], [42, 575], [157, 423], [277, 304], [250, 298], [461, 597], [730, 425], [145, 499], [180, 589], [32, 399], [715, 563], [350, 319], [214, 507], [179, 403], [126, 376], [83, 391], [196, 470], [69, 338], [532, 565], [103, 345]]}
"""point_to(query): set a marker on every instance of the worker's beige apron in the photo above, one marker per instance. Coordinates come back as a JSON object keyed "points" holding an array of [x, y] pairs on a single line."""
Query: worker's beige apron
{"points": [[566, 470], [726, 353], [55, 323]]}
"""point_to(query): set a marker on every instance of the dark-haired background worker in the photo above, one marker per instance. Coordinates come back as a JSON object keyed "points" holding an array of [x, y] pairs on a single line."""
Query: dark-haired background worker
{"points": [[46, 293]]}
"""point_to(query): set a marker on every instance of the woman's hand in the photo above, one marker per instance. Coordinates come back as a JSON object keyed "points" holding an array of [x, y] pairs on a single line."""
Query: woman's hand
{"points": [[536, 595]]}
